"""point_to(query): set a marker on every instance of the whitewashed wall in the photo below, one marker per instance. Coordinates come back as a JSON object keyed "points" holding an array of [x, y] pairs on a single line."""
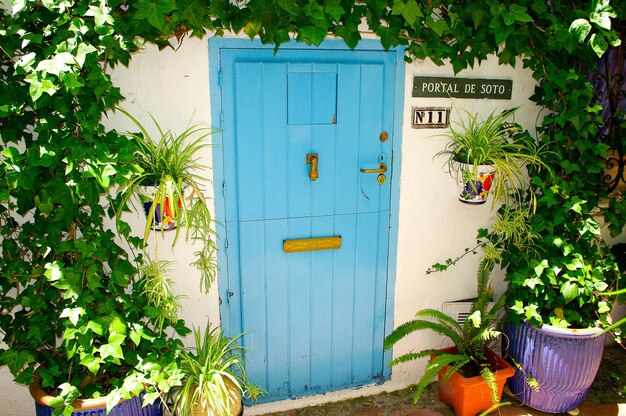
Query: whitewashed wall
{"points": [[433, 225]]}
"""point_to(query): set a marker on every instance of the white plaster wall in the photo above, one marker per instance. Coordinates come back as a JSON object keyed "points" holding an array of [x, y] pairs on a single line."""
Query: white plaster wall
{"points": [[434, 225]]}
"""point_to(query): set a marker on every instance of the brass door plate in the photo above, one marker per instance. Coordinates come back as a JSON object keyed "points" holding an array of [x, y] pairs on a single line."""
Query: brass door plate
{"points": [[311, 244]]}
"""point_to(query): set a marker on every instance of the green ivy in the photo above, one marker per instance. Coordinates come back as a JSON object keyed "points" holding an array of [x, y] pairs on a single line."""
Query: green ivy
{"points": [[67, 300]]}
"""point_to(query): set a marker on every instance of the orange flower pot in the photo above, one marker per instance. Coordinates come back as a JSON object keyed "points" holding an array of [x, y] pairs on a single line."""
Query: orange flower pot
{"points": [[470, 396]]}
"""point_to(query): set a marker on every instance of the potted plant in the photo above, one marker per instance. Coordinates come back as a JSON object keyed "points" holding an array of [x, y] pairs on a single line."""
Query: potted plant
{"points": [[471, 375], [168, 185], [489, 154], [559, 301], [214, 377]]}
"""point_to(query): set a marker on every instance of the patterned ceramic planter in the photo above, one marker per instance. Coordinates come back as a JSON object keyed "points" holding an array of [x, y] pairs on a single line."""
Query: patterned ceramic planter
{"points": [[95, 407], [563, 361], [164, 218], [470, 396], [474, 183]]}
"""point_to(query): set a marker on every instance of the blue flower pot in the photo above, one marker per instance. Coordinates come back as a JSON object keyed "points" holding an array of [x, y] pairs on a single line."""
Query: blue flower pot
{"points": [[564, 362], [96, 407]]}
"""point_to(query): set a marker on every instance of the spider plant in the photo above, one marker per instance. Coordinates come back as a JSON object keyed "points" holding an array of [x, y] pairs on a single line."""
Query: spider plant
{"points": [[156, 286], [214, 376], [471, 338], [495, 142], [170, 164]]}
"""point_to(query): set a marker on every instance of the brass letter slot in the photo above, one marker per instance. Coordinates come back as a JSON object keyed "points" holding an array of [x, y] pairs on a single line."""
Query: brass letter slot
{"points": [[311, 244]]}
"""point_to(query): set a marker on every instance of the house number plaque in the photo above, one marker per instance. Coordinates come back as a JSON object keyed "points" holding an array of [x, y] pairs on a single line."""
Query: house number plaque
{"points": [[430, 117]]}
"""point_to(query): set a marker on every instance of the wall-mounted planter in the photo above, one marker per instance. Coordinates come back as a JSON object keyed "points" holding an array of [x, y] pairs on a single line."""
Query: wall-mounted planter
{"points": [[563, 361], [474, 184], [164, 217], [94, 407], [470, 396]]}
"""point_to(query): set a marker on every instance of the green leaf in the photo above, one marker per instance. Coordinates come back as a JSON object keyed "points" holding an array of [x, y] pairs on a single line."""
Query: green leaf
{"points": [[598, 44], [516, 13], [569, 290], [580, 28], [92, 363], [100, 15], [111, 350], [73, 314], [54, 271], [410, 10], [193, 11], [154, 11]]}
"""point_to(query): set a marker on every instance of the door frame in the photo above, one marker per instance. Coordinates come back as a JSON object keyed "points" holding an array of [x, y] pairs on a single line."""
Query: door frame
{"points": [[216, 45]]}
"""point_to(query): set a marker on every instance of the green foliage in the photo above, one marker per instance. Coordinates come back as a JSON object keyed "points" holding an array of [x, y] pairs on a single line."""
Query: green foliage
{"points": [[213, 375], [471, 339]]}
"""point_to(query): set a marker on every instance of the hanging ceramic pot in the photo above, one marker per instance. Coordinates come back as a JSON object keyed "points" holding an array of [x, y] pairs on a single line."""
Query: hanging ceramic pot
{"points": [[164, 218], [474, 182]]}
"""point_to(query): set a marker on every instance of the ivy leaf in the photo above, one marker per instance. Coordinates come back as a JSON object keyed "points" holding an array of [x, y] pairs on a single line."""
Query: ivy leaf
{"points": [[289, 6], [377, 7], [580, 28], [73, 314], [602, 14], [91, 362], [334, 10], [516, 13], [410, 10], [154, 11], [349, 33], [100, 14], [598, 44], [193, 11], [252, 29], [569, 291], [54, 271], [111, 350]]}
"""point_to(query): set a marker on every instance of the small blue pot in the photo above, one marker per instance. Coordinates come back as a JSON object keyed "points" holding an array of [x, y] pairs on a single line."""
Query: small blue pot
{"points": [[563, 361]]}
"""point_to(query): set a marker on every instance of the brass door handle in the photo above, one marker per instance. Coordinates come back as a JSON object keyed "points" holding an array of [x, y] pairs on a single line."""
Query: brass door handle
{"points": [[382, 169], [312, 159]]}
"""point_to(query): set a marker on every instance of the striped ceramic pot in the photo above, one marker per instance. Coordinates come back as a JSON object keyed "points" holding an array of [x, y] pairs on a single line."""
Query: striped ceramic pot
{"points": [[564, 362], [95, 407]]}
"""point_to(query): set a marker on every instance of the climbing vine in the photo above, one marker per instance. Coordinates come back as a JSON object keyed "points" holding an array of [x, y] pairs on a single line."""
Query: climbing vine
{"points": [[60, 165]]}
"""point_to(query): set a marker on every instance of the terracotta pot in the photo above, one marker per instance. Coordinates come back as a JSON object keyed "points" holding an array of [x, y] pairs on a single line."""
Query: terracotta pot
{"points": [[236, 408], [93, 407], [470, 396], [473, 185]]}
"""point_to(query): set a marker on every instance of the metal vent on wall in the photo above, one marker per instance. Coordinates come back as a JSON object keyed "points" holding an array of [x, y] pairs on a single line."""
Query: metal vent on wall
{"points": [[458, 310]]}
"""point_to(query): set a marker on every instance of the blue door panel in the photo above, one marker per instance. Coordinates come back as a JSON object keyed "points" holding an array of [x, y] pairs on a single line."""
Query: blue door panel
{"points": [[315, 319]]}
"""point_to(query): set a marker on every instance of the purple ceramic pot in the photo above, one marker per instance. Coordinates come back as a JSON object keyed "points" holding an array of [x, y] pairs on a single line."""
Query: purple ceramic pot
{"points": [[563, 361], [95, 407]]}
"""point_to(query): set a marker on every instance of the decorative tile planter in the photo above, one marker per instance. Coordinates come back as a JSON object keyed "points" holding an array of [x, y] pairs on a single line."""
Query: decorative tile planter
{"points": [[474, 184], [164, 217], [470, 396], [563, 361]]}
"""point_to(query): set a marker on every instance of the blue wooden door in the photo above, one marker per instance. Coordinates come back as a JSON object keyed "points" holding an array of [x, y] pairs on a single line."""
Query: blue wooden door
{"points": [[316, 319]]}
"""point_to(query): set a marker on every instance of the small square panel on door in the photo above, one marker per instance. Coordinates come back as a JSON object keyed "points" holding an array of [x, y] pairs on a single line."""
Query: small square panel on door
{"points": [[311, 98]]}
